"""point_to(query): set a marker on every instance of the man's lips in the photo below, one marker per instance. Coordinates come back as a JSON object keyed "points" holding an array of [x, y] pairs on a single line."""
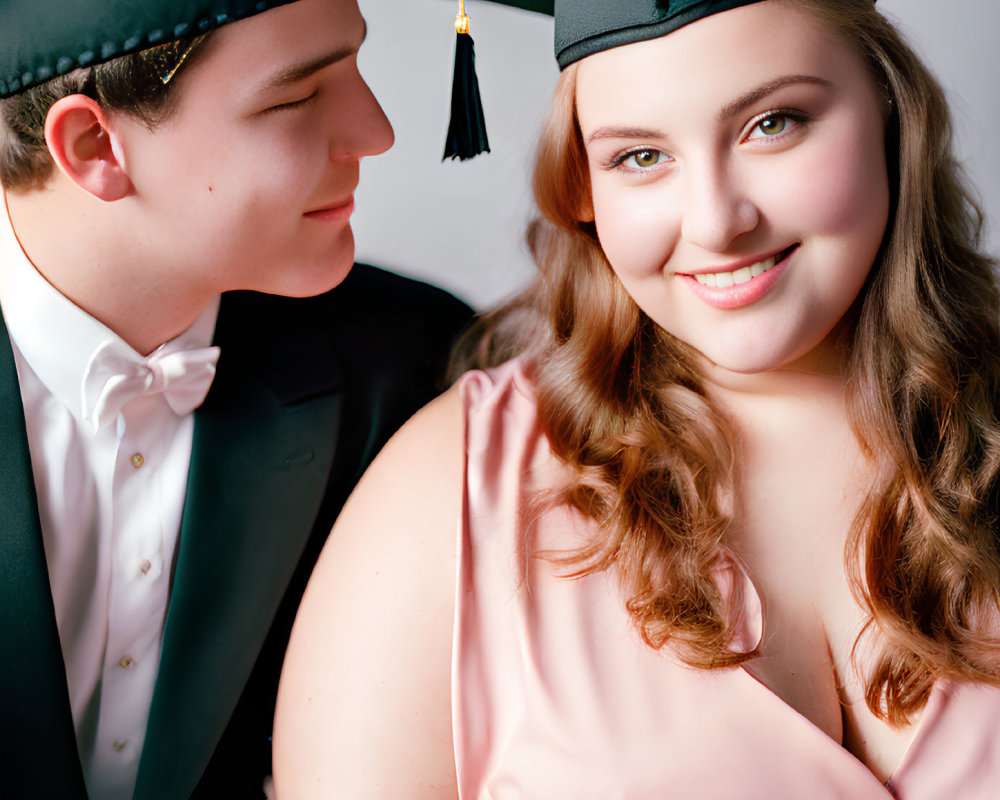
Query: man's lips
{"points": [[337, 210]]}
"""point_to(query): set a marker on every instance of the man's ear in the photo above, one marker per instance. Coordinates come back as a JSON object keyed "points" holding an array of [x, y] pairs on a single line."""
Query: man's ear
{"points": [[83, 147]]}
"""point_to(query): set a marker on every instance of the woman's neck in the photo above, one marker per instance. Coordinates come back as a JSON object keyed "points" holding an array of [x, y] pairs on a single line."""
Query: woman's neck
{"points": [[795, 400], [819, 373]]}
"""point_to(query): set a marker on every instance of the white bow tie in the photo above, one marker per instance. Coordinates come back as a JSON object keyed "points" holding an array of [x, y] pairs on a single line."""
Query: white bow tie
{"points": [[116, 375]]}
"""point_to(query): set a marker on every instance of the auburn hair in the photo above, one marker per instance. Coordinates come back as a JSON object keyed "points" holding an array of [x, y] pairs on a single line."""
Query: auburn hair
{"points": [[622, 402]]}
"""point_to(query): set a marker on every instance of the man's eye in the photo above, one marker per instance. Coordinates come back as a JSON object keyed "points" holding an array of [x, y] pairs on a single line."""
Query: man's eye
{"points": [[291, 104]]}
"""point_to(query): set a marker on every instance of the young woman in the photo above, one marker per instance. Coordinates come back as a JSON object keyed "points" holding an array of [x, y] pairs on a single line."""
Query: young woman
{"points": [[727, 525]]}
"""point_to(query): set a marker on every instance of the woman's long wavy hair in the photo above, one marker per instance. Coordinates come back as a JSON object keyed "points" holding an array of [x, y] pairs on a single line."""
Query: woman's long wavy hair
{"points": [[623, 404]]}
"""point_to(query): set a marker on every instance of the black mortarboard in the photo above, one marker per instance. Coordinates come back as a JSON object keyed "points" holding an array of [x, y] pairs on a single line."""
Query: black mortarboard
{"points": [[585, 27], [541, 6], [41, 39]]}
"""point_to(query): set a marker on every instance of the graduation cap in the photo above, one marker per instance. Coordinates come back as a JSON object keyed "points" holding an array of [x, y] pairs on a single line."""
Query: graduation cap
{"points": [[541, 6], [42, 39], [583, 27]]}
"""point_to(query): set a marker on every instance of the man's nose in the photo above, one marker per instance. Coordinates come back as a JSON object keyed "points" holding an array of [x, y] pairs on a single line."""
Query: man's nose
{"points": [[361, 126]]}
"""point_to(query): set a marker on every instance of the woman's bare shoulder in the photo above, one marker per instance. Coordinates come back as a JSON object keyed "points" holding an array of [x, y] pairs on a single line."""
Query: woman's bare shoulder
{"points": [[364, 705]]}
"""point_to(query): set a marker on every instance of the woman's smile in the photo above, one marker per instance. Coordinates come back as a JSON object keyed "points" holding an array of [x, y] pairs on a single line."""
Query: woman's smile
{"points": [[735, 287]]}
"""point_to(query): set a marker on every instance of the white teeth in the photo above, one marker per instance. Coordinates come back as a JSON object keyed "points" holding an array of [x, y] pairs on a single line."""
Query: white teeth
{"points": [[742, 275], [735, 278]]}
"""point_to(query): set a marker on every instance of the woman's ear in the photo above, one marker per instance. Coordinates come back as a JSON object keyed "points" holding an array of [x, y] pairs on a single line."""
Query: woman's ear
{"points": [[84, 149]]}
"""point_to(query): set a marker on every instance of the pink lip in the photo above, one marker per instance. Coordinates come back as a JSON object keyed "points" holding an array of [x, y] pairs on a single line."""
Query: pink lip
{"points": [[731, 297], [337, 212], [735, 265]]}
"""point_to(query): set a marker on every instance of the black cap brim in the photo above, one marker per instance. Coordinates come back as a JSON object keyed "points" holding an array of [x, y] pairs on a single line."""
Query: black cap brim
{"points": [[541, 6], [42, 39]]}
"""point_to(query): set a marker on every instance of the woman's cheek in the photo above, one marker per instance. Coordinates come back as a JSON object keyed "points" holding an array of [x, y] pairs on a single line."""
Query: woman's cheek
{"points": [[824, 196], [634, 233]]}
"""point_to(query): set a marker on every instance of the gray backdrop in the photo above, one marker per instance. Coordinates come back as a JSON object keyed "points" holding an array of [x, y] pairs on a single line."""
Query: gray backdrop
{"points": [[460, 224]]}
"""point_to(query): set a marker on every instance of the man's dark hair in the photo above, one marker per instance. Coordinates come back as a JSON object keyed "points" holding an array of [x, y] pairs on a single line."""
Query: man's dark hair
{"points": [[131, 84]]}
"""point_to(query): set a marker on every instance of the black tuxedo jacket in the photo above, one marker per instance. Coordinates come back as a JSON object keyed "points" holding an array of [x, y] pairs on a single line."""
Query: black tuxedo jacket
{"points": [[306, 392]]}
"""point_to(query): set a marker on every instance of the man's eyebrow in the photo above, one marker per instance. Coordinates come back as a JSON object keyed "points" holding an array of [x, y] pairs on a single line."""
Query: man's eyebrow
{"points": [[730, 110], [298, 72]]}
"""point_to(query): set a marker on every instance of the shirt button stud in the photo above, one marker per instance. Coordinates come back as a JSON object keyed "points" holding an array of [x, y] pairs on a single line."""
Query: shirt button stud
{"points": [[145, 565], [119, 744], [125, 661], [138, 460]]}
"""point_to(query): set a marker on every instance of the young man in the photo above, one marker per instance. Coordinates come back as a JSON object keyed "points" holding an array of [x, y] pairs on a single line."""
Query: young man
{"points": [[158, 525]]}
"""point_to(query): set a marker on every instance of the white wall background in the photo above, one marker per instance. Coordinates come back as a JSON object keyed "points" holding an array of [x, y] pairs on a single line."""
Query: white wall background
{"points": [[460, 224]]}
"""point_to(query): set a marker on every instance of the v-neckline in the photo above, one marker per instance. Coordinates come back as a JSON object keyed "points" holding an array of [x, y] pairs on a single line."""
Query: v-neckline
{"points": [[749, 616], [931, 712]]}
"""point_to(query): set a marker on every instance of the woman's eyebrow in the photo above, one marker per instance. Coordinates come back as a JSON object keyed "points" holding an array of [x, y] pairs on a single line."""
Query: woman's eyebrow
{"points": [[297, 72], [743, 102], [616, 132], [727, 112]]}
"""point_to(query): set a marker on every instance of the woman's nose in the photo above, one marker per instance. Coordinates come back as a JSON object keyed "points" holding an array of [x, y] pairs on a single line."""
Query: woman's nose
{"points": [[716, 209]]}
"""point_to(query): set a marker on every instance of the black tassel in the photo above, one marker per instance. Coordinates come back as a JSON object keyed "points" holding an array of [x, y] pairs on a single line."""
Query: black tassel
{"points": [[467, 129]]}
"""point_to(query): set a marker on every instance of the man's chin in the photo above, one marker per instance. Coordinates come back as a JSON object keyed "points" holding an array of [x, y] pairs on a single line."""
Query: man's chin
{"points": [[323, 274]]}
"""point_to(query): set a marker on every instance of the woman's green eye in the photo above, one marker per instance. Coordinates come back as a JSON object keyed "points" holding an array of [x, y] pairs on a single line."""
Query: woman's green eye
{"points": [[639, 161], [644, 159], [772, 126]]}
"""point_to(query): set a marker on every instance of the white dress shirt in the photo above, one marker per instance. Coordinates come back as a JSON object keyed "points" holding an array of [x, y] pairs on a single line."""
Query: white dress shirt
{"points": [[110, 503]]}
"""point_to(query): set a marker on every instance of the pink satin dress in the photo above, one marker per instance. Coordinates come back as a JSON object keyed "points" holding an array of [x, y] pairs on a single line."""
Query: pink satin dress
{"points": [[554, 695]]}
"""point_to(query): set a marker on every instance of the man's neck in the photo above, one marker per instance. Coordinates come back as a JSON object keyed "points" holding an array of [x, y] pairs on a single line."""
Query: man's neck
{"points": [[87, 250]]}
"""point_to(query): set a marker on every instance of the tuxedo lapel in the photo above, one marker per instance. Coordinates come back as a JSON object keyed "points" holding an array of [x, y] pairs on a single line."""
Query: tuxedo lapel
{"points": [[38, 744], [263, 446]]}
